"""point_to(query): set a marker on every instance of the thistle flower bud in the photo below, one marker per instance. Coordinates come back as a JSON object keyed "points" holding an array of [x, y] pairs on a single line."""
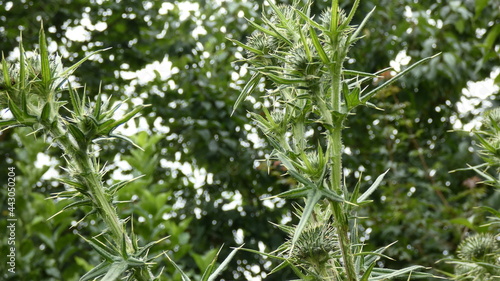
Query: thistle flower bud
{"points": [[278, 116], [492, 118], [89, 126], [258, 41], [480, 247], [305, 64], [34, 66], [263, 43], [279, 123], [489, 138], [316, 245], [313, 163], [494, 141], [313, 158], [326, 18], [298, 59], [56, 66], [288, 13]]}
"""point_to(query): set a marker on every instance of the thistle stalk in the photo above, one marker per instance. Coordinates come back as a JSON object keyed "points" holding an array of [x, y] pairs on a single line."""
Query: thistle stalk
{"points": [[89, 176], [336, 72], [341, 219], [85, 167]]}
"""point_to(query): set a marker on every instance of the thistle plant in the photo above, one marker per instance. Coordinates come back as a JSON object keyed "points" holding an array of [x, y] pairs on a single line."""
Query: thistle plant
{"points": [[489, 148], [32, 90], [311, 93], [479, 257], [479, 254]]}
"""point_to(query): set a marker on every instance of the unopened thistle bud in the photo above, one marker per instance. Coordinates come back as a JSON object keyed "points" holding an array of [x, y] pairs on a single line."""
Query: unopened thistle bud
{"points": [[475, 251], [89, 126], [316, 245], [326, 18], [480, 247], [492, 118], [265, 45], [34, 66], [303, 63], [279, 121], [494, 141], [288, 13], [258, 41], [313, 163], [278, 116]]}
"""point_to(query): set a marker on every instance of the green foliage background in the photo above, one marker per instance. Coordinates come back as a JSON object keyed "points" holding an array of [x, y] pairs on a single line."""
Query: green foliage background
{"points": [[426, 209]]}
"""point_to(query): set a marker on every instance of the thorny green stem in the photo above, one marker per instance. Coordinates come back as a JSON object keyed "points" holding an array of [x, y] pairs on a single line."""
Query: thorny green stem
{"points": [[87, 169], [342, 225], [336, 79], [341, 218], [335, 141], [298, 130]]}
